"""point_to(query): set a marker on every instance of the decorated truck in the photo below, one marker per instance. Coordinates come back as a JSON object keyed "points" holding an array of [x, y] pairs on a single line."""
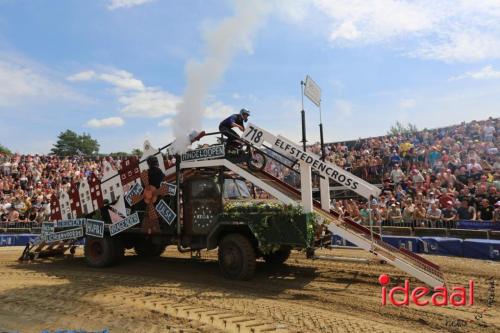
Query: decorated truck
{"points": [[211, 209], [206, 199], [193, 208]]}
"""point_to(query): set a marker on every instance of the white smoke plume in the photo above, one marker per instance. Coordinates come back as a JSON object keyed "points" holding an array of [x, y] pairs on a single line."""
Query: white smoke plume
{"points": [[222, 43]]}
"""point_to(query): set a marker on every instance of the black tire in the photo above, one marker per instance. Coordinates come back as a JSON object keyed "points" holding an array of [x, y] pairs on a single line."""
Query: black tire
{"points": [[145, 248], [236, 257], [100, 252], [278, 257], [258, 161]]}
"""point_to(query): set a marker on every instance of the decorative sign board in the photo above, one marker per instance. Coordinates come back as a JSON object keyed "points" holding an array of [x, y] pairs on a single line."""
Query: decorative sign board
{"points": [[171, 188], [257, 136], [124, 224], [47, 228], [204, 153], [70, 223], [94, 228], [64, 235], [135, 190], [165, 212], [202, 217]]}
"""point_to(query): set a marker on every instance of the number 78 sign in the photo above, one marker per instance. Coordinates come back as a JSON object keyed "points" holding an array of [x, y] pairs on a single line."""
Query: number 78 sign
{"points": [[257, 136]]}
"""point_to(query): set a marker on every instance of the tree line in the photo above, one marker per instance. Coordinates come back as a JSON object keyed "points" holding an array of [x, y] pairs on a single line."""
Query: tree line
{"points": [[70, 143]]}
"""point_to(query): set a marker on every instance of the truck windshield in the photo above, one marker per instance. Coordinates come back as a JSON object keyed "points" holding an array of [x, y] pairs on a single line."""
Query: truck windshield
{"points": [[235, 189]]}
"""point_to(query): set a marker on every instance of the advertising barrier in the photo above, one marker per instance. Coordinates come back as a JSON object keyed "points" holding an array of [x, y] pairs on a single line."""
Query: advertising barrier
{"points": [[413, 244], [482, 248], [17, 239], [483, 225], [486, 249], [443, 246]]}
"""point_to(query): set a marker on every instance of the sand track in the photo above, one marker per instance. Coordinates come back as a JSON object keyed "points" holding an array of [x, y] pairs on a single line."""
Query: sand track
{"points": [[177, 294]]}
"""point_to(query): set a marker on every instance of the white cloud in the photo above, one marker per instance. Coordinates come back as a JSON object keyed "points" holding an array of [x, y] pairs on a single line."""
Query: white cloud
{"points": [[122, 80], [151, 103], [447, 30], [346, 30], [374, 20], [407, 103], [106, 122], [82, 76], [218, 110], [136, 99], [463, 46], [119, 78], [22, 80], [484, 73], [115, 4], [294, 11]]}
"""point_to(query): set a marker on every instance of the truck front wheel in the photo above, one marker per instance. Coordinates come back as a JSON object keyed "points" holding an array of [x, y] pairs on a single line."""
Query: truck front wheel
{"points": [[100, 252], [236, 257]]}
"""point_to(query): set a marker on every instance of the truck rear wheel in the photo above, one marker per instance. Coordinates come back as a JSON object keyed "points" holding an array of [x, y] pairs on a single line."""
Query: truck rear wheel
{"points": [[145, 248], [236, 257], [277, 257], [100, 252]]}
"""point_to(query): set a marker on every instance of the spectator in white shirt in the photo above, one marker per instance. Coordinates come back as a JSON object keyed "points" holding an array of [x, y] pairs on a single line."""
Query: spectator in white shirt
{"points": [[397, 174]]}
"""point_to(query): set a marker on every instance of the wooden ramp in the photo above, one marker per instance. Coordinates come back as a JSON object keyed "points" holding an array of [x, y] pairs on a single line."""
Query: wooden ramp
{"points": [[43, 249], [407, 261]]}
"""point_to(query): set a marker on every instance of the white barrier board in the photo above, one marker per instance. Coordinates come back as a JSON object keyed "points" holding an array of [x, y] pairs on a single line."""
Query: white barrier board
{"points": [[257, 136]]}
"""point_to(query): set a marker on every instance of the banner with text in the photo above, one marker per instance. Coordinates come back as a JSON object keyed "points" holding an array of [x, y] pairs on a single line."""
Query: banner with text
{"points": [[257, 136], [204, 153], [70, 223], [124, 224], [94, 228], [64, 235]]}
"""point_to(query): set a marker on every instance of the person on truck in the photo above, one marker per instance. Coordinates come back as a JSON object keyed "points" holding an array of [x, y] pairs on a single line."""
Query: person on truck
{"points": [[155, 174], [235, 120]]}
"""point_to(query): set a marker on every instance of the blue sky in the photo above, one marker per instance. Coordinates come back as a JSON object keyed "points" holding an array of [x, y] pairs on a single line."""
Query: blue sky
{"points": [[117, 68]]}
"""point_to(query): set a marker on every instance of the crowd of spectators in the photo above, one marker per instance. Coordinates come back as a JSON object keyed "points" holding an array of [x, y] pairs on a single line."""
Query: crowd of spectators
{"points": [[430, 177], [28, 181]]}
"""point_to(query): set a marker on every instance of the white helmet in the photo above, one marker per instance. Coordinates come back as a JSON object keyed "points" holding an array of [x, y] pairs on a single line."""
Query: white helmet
{"points": [[245, 111]]}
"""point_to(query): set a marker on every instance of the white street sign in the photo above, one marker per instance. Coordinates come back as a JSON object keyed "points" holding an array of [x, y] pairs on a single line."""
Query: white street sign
{"points": [[124, 224], [287, 148], [312, 91]]}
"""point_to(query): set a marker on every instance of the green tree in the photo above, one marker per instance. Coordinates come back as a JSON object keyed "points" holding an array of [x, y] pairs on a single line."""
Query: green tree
{"points": [[70, 143], [400, 128], [137, 152], [5, 150]]}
